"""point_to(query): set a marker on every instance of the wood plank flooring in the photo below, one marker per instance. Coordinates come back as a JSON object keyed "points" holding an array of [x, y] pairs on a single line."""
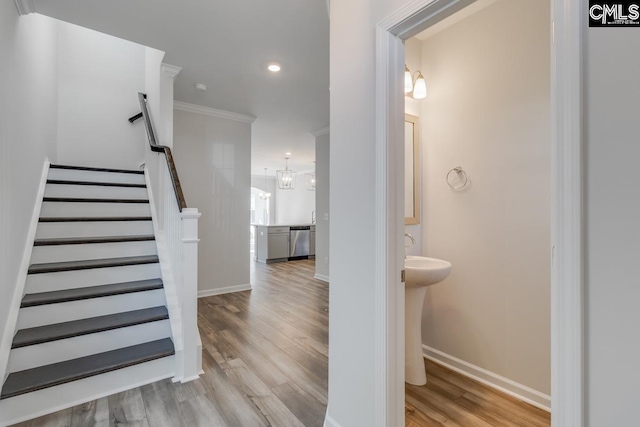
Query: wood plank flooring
{"points": [[265, 362], [450, 399], [264, 356]]}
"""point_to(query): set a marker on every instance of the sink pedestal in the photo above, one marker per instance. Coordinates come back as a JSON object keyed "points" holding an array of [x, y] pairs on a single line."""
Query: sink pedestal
{"points": [[414, 371], [420, 273]]}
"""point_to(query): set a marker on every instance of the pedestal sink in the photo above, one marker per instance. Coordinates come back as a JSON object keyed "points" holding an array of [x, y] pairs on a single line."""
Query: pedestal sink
{"points": [[420, 272]]}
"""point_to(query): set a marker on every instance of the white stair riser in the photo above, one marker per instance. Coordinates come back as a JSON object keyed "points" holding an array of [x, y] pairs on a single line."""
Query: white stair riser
{"points": [[91, 209], [77, 175], [85, 345], [42, 402], [47, 282], [31, 317], [46, 254], [48, 230], [94, 191]]}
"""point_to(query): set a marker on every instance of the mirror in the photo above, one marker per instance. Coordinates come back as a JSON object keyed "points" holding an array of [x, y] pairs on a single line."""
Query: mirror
{"points": [[411, 170]]}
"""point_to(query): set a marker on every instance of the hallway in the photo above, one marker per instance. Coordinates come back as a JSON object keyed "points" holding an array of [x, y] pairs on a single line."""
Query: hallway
{"points": [[264, 357]]}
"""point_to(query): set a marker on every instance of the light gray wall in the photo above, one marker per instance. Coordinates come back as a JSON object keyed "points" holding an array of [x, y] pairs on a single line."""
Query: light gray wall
{"points": [[259, 182], [28, 120], [612, 109], [99, 80], [323, 210], [488, 110], [352, 198], [213, 157], [295, 206]]}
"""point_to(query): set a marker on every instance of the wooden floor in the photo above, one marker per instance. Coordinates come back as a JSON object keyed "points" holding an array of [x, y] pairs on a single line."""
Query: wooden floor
{"points": [[265, 363], [450, 399]]}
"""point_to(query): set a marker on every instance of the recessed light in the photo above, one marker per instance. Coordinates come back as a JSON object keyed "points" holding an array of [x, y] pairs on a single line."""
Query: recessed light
{"points": [[287, 154], [274, 68], [201, 86]]}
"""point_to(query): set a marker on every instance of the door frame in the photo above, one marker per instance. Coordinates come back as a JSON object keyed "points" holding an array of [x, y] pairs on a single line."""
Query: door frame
{"points": [[567, 289]]}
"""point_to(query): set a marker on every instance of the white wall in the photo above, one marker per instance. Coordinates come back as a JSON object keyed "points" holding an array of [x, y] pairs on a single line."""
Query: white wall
{"points": [[295, 206], [99, 78], [488, 110], [323, 151], [612, 226], [259, 182], [213, 158], [352, 199], [28, 113]]}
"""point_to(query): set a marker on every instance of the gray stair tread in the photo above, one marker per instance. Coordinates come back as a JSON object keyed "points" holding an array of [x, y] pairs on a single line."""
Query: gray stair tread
{"points": [[94, 218], [95, 183], [53, 267], [92, 200], [86, 168], [42, 298], [86, 240], [29, 380], [75, 328]]}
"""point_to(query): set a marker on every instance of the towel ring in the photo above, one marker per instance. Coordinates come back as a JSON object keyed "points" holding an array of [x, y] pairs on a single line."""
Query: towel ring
{"points": [[458, 170]]}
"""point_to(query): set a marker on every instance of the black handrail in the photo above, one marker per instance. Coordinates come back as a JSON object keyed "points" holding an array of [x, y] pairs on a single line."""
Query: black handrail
{"points": [[182, 204]]}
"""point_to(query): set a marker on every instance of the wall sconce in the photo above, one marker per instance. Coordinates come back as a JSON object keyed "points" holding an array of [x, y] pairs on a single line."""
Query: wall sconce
{"points": [[286, 177], [415, 84]]}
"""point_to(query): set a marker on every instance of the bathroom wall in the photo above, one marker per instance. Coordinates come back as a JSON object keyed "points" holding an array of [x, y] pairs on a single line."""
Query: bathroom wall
{"points": [[413, 59], [488, 110]]}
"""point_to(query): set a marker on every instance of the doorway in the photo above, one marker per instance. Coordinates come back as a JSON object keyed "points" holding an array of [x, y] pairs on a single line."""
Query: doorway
{"points": [[566, 178]]}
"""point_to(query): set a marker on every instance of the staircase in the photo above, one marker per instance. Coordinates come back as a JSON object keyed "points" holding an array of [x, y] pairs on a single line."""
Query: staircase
{"points": [[93, 320]]}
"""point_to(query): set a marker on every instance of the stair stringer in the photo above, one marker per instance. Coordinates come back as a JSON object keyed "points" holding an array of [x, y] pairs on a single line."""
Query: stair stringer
{"points": [[18, 293], [170, 289]]}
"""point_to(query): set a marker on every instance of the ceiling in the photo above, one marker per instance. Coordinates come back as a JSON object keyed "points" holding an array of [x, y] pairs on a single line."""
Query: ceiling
{"points": [[227, 46]]}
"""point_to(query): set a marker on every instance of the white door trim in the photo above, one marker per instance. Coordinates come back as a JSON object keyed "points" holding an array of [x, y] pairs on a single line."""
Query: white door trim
{"points": [[567, 400]]}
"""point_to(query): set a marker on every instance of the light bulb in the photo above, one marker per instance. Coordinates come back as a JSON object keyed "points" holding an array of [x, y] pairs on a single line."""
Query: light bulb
{"points": [[408, 81], [420, 89]]}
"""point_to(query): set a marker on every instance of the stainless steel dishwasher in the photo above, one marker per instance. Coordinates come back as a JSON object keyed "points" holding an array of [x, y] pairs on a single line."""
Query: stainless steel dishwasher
{"points": [[299, 241]]}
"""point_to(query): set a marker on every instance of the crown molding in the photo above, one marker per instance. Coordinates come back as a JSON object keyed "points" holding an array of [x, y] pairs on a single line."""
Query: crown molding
{"points": [[322, 131], [213, 112], [170, 70], [25, 7]]}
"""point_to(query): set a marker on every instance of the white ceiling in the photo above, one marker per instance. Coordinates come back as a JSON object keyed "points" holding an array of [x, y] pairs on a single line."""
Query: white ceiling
{"points": [[227, 45]]}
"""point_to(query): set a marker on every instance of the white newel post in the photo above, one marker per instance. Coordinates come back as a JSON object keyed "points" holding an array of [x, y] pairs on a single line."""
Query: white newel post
{"points": [[189, 233]]}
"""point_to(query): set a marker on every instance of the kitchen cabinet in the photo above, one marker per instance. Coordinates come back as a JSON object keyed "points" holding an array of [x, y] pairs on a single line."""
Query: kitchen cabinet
{"points": [[272, 243]]}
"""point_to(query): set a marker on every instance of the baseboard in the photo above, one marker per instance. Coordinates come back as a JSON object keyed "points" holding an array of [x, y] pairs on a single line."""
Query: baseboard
{"points": [[505, 385], [225, 290], [18, 293], [321, 277], [330, 422]]}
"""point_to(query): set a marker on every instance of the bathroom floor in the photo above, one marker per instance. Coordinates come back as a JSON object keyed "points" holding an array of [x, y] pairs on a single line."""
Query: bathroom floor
{"points": [[452, 399]]}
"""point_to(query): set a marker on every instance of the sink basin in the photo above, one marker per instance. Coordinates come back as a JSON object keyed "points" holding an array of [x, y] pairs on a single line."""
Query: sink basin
{"points": [[420, 272], [423, 271]]}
